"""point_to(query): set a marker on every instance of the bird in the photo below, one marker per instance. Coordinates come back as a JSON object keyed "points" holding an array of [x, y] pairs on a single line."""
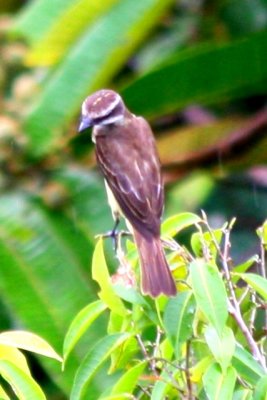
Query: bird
{"points": [[126, 153]]}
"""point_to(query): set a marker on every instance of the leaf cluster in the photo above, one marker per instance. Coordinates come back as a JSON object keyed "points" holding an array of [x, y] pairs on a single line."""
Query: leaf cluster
{"points": [[201, 344]]}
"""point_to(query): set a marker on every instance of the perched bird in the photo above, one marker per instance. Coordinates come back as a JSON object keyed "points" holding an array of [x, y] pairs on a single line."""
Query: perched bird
{"points": [[127, 156]]}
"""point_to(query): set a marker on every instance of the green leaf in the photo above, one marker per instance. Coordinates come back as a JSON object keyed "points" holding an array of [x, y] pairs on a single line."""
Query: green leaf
{"points": [[262, 233], [101, 275], [28, 341], [198, 370], [37, 17], [40, 256], [188, 72], [124, 396], [131, 295], [219, 386], [243, 267], [123, 356], [57, 40], [210, 293], [164, 384], [88, 203], [178, 320], [127, 383], [197, 242], [93, 361], [3, 395], [242, 394], [261, 389], [15, 356], [222, 347], [176, 223], [24, 385], [246, 366], [96, 58], [257, 282], [80, 324]]}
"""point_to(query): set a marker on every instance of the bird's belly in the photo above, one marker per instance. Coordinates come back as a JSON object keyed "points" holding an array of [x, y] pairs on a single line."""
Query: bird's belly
{"points": [[115, 208]]}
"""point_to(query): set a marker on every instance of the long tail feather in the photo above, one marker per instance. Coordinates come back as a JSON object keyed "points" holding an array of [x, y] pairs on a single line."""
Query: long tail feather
{"points": [[156, 277]]}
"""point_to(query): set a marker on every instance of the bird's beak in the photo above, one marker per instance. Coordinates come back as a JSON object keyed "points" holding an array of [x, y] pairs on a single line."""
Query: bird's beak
{"points": [[85, 123]]}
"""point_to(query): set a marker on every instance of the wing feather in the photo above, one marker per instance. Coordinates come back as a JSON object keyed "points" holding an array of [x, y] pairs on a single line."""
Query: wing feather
{"points": [[128, 159]]}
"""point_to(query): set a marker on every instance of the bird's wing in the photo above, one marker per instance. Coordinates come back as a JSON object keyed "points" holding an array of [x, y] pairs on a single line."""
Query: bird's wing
{"points": [[128, 159]]}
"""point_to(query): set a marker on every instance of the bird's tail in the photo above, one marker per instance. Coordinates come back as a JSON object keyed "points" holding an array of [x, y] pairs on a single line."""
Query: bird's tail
{"points": [[156, 277]]}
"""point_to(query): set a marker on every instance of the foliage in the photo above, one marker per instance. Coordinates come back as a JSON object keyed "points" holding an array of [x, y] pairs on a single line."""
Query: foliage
{"points": [[197, 70], [14, 367], [196, 345]]}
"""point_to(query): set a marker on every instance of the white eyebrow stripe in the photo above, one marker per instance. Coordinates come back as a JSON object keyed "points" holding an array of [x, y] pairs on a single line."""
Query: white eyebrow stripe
{"points": [[105, 111], [84, 109], [100, 113]]}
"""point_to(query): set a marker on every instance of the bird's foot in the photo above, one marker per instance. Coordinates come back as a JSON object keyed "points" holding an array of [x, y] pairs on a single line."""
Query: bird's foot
{"points": [[115, 236]]}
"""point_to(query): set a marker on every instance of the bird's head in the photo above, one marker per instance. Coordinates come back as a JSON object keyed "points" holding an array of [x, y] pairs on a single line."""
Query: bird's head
{"points": [[103, 107]]}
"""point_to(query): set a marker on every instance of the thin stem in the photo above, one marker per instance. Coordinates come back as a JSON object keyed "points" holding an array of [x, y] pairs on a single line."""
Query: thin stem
{"points": [[146, 355], [233, 304], [156, 346], [263, 269], [187, 372], [253, 313]]}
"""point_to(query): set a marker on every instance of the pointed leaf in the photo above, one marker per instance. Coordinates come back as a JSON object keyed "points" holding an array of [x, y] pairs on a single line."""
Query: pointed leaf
{"points": [[198, 370], [15, 356], [37, 17], [219, 386], [28, 341], [261, 389], [90, 64], [242, 394], [57, 40], [40, 256], [246, 366], [222, 347], [176, 223], [80, 324], [163, 384], [127, 383], [101, 275], [210, 293], [93, 361], [257, 282], [25, 386], [197, 239], [224, 61], [241, 268], [3, 395], [178, 319]]}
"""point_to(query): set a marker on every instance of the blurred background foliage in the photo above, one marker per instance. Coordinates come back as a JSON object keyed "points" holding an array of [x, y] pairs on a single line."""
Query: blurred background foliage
{"points": [[196, 69]]}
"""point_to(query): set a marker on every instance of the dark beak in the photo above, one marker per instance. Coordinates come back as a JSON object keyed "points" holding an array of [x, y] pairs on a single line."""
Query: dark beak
{"points": [[85, 123]]}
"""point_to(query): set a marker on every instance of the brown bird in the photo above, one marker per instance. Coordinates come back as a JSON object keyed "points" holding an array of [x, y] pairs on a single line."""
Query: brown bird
{"points": [[128, 158]]}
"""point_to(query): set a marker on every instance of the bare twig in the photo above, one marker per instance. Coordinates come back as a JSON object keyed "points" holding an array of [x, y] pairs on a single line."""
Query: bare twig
{"points": [[187, 372], [262, 266], [156, 346], [251, 324], [147, 357], [171, 244], [233, 304], [145, 391], [206, 252], [243, 296]]}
